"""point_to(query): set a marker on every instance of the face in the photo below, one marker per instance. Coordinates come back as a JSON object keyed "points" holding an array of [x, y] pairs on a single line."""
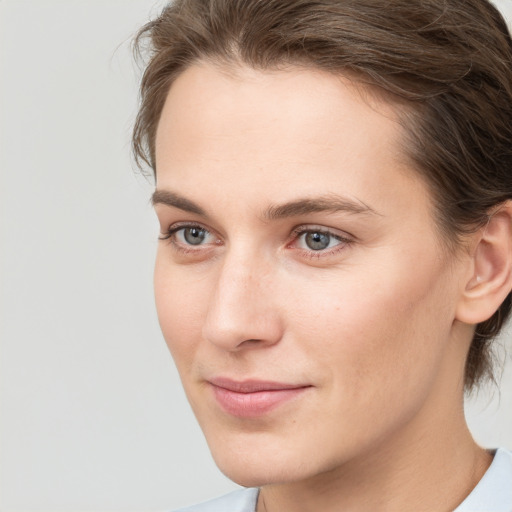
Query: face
{"points": [[300, 280]]}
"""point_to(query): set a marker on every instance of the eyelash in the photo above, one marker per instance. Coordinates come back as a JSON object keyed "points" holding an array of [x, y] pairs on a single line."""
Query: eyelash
{"points": [[169, 236], [312, 254], [173, 230], [295, 236]]}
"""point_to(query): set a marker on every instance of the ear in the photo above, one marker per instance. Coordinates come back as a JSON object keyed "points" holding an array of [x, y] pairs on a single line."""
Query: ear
{"points": [[490, 276]]}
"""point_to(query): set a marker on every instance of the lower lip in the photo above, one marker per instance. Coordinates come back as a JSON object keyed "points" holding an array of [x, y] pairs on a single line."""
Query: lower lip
{"points": [[252, 405]]}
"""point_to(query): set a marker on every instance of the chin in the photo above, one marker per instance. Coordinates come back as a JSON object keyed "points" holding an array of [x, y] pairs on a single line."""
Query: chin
{"points": [[251, 477], [256, 472], [252, 462]]}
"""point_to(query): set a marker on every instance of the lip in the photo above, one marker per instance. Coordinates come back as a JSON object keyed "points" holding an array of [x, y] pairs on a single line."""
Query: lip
{"points": [[253, 398]]}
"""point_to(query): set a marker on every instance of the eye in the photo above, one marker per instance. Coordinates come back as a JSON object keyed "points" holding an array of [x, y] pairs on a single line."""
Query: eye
{"points": [[189, 236], [192, 235], [316, 240]]}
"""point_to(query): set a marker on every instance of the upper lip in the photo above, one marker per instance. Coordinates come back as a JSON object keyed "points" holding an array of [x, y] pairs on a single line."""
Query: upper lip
{"points": [[252, 385]]}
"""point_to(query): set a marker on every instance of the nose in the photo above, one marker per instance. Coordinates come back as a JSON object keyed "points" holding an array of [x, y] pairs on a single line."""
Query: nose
{"points": [[242, 312]]}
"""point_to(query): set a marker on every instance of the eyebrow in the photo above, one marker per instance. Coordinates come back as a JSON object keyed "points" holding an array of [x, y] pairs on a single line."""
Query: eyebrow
{"points": [[172, 199], [303, 206], [328, 203]]}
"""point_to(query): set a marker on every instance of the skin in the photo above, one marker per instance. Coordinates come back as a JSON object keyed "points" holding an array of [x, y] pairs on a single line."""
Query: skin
{"points": [[377, 325]]}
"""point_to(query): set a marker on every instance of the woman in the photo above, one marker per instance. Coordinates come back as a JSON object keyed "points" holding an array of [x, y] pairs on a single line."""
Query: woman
{"points": [[333, 188]]}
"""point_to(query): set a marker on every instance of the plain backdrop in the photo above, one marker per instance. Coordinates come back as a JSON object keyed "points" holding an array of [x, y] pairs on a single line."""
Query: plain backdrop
{"points": [[92, 413]]}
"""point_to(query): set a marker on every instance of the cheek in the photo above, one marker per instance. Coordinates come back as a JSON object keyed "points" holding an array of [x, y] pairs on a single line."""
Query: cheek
{"points": [[380, 329], [181, 307]]}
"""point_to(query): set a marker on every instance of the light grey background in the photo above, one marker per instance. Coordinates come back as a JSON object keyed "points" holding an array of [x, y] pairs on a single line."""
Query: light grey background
{"points": [[92, 413]]}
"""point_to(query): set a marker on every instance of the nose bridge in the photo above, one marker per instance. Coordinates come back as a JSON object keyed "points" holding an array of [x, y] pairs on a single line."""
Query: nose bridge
{"points": [[237, 281], [241, 308]]}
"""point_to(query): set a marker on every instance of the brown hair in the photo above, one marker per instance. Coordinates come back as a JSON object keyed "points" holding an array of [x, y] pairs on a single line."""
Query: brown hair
{"points": [[450, 60]]}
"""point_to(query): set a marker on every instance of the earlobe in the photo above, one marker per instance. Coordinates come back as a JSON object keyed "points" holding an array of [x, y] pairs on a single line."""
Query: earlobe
{"points": [[491, 276]]}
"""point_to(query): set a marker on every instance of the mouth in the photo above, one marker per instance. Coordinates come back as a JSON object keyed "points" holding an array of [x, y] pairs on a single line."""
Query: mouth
{"points": [[253, 398]]}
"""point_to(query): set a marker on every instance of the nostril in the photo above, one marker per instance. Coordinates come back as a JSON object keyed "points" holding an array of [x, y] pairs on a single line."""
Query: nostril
{"points": [[251, 342]]}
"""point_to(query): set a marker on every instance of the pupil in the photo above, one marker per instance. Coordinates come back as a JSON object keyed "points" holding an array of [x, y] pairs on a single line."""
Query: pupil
{"points": [[194, 236], [317, 241]]}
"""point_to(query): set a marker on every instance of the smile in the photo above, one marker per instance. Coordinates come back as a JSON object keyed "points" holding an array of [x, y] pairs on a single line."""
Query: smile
{"points": [[253, 398]]}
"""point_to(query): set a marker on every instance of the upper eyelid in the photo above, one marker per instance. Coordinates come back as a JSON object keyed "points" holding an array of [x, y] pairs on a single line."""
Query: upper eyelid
{"points": [[337, 233], [304, 228], [176, 226], [181, 225]]}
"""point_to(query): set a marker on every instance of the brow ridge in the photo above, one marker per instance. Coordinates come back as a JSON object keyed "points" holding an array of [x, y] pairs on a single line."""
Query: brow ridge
{"points": [[327, 203], [169, 198], [302, 206]]}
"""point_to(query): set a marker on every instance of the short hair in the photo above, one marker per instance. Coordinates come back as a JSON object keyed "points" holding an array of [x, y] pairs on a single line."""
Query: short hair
{"points": [[448, 61]]}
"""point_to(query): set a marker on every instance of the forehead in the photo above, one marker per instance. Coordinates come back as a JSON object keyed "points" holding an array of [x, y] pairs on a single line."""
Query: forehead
{"points": [[236, 104], [273, 135]]}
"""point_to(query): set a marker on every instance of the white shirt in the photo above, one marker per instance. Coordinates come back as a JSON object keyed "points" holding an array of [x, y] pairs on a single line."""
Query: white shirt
{"points": [[492, 494], [494, 491]]}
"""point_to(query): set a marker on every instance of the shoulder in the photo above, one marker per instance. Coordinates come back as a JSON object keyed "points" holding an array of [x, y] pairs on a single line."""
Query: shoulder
{"points": [[243, 500], [494, 491]]}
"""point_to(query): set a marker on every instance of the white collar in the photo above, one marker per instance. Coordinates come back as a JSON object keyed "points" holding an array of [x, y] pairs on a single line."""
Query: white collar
{"points": [[494, 491]]}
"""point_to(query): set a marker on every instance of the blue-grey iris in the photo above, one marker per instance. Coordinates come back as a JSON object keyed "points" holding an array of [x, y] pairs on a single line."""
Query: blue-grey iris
{"points": [[194, 236], [317, 240]]}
